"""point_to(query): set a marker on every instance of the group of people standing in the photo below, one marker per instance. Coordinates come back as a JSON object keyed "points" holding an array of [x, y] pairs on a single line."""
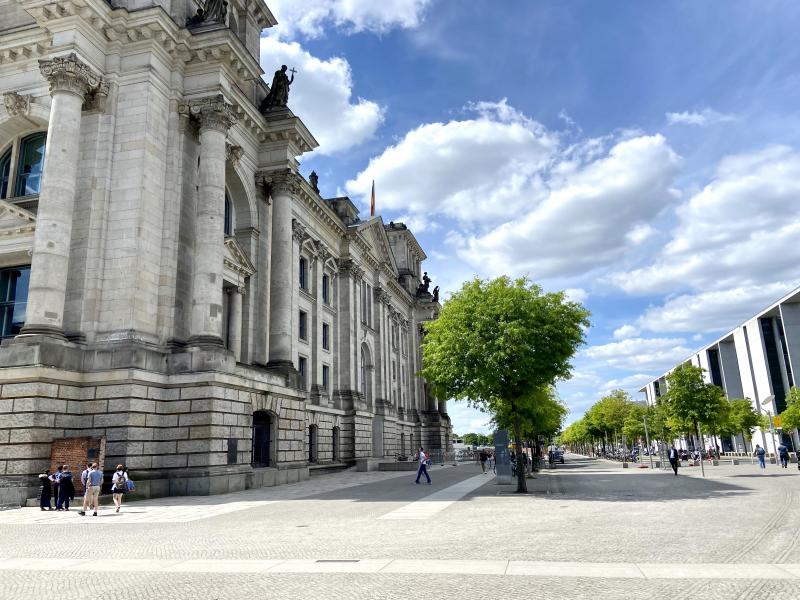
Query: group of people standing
{"points": [[60, 485]]}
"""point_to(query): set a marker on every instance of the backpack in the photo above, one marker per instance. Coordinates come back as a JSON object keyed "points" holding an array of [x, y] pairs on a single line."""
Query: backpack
{"points": [[131, 486], [119, 485]]}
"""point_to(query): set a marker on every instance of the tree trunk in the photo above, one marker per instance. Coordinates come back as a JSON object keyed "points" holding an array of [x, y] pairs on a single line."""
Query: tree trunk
{"points": [[522, 485]]}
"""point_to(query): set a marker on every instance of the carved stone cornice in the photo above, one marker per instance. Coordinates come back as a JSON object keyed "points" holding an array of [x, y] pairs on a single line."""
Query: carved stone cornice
{"points": [[233, 153], [17, 105], [69, 74], [279, 182], [212, 112]]}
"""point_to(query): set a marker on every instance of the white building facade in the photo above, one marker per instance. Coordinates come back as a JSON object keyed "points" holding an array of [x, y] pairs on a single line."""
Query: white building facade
{"points": [[758, 360], [171, 284]]}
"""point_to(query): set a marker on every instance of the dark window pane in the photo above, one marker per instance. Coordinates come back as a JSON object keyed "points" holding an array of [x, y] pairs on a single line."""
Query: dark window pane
{"points": [[13, 299], [228, 215], [5, 173], [29, 167]]}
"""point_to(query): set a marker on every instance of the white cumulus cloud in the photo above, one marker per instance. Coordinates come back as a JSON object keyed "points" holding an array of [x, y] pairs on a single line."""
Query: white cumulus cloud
{"points": [[701, 118], [480, 168], [624, 332], [322, 96], [637, 354], [311, 17]]}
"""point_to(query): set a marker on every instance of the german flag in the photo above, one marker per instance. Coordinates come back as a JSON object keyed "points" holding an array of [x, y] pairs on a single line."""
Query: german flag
{"points": [[372, 201]]}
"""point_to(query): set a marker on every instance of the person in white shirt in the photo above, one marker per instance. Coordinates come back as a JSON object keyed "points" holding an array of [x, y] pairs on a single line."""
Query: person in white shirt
{"points": [[423, 466], [119, 485]]}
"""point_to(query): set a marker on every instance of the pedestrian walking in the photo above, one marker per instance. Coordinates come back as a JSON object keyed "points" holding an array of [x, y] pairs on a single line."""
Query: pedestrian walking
{"points": [[483, 458], [673, 459], [54, 477], [47, 490], [94, 480], [119, 486], [760, 454], [783, 453], [423, 466], [66, 489], [84, 476]]}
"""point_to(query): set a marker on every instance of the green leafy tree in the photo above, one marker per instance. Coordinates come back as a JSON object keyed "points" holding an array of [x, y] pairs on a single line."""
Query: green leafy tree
{"points": [[742, 418], [497, 344], [691, 400], [633, 425], [790, 418]]}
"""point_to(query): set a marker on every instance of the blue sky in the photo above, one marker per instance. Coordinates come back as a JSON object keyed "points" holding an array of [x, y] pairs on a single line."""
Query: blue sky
{"points": [[643, 156]]}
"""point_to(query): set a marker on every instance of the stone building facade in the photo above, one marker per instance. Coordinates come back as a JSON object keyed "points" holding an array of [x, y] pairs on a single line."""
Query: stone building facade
{"points": [[171, 283]]}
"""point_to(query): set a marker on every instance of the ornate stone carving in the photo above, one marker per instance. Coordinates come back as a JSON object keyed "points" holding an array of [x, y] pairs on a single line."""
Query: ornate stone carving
{"points": [[17, 105], [348, 267], [233, 153], [280, 182], [69, 74], [323, 252], [212, 112], [298, 231], [381, 295]]}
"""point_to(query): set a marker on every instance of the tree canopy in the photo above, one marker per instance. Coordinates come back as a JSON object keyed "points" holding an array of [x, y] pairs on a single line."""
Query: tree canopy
{"points": [[501, 344], [790, 418]]}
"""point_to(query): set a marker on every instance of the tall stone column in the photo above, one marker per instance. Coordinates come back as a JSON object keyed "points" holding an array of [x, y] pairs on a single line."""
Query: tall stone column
{"points": [[235, 322], [70, 82], [215, 117], [283, 186]]}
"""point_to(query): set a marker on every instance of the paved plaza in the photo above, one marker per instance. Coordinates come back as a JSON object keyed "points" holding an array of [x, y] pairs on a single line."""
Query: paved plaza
{"points": [[588, 529]]}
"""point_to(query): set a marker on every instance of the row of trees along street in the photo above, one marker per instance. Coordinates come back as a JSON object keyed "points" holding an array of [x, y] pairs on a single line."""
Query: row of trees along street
{"points": [[690, 408], [502, 345]]}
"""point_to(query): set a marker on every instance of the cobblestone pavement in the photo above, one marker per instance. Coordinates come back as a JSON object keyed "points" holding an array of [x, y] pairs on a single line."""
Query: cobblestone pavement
{"points": [[666, 536]]}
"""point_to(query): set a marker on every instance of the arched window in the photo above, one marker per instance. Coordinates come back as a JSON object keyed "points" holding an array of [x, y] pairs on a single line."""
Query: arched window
{"points": [[228, 215], [27, 154], [363, 373]]}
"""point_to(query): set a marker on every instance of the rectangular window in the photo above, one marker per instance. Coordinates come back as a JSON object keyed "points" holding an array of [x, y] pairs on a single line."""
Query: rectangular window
{"points": [[13, 299], [303, 325], [326, 292], [369, 305], [326, 336], [326, 376], [303, 273], [301, 369], [394, 371]]}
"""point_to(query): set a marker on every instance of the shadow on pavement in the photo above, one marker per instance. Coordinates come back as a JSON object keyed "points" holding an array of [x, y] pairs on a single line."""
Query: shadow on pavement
{"points": [[592, 480]]}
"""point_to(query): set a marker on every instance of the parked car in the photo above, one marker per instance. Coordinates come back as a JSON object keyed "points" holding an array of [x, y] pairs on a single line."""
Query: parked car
{"points": [[557, 456]]}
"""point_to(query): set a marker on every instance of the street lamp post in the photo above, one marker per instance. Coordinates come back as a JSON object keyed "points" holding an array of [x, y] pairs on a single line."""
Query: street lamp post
{"points": [[647, 440]]}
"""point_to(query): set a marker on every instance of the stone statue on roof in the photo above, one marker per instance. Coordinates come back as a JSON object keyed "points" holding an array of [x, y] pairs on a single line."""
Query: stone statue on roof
{"points": [[278, 96]]}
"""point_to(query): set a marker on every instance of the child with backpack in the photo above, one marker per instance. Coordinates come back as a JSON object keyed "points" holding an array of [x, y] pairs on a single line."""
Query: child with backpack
{"points": [[119, 485]]}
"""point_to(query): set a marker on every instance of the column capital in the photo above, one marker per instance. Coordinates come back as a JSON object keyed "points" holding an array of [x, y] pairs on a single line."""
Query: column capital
{"points": [[299, 232], [284, 181], [348, 267], [70, 74], [212, 112]]}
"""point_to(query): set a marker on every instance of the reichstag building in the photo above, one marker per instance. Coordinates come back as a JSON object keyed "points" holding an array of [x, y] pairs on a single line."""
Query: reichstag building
{"points": [[175, 295]]}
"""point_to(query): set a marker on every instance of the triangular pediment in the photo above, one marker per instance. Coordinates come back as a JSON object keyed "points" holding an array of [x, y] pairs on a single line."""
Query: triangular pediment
{"points": [[14, 219], [373, 232], [236, 259]]}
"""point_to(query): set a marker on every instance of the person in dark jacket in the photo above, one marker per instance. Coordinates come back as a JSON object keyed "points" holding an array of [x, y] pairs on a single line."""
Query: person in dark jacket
{"points": [[47, 490], [66, 489], [673, 459]]}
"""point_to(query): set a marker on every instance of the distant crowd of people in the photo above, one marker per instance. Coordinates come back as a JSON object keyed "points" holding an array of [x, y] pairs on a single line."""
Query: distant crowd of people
{"points": [[60, 486]]}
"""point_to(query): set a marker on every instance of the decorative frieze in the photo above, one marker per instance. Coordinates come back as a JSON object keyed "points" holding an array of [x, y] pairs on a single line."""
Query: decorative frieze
{"points": [[212, 112], [16, 104], [70, 74]]}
